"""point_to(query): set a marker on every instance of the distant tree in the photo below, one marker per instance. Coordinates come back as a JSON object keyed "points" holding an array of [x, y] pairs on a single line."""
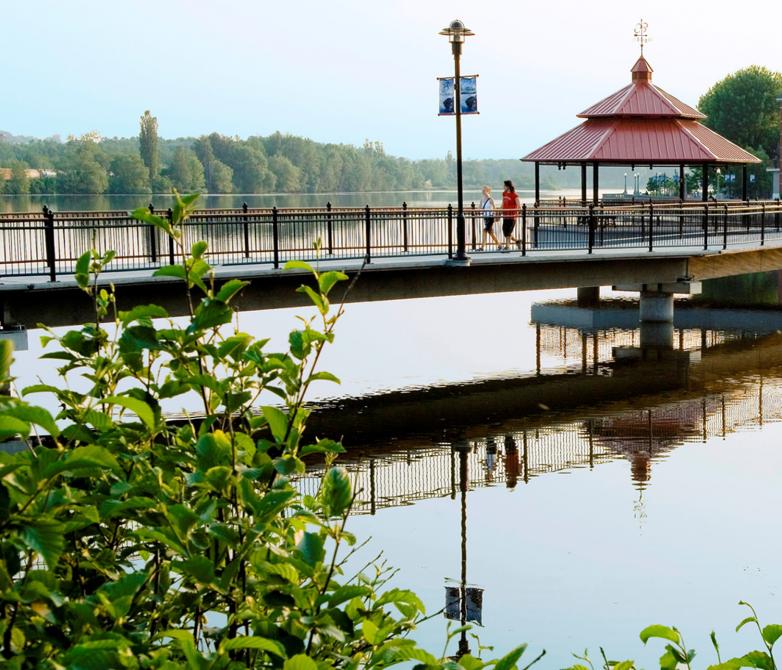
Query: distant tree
{"points": [[288, 175], [219, 177], [81, 168], [128, 175], [19, 184], [148, 144], [186, 172], [743, 108]]}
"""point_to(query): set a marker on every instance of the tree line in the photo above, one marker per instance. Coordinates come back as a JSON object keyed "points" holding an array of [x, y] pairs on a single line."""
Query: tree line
{"points": [[216, 163], [742, 107]]}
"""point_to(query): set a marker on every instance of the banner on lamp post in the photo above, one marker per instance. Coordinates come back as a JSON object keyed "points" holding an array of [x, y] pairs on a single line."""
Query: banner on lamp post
{"points": [[468, 94]]}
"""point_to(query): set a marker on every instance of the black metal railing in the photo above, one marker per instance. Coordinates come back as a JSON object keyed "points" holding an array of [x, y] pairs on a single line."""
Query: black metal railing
{"points": [[48, 243]]}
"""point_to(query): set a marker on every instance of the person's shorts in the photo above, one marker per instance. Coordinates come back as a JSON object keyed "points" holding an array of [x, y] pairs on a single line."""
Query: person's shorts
{"points": [[488, 223], [508, 224]]}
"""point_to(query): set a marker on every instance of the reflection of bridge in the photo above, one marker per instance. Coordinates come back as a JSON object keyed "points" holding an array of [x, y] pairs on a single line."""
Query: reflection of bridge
{"points": [[521, 451]]}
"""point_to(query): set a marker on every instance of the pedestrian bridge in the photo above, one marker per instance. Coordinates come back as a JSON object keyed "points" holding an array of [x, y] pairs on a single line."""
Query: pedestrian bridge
{"points": [[400, 252]]}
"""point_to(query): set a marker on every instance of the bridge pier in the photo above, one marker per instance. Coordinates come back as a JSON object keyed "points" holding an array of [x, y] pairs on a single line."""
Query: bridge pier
{"points": [[655, 310], [588, 296]]}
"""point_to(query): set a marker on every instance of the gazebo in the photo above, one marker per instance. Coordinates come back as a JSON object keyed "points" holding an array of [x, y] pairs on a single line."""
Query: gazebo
{"points": [[640, 124]]}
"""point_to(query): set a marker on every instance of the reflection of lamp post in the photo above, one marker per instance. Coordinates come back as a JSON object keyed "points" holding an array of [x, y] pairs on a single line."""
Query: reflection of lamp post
{"points": [[636, 184], [463, 596], [456, 32], [717, 175], [625, 191]]}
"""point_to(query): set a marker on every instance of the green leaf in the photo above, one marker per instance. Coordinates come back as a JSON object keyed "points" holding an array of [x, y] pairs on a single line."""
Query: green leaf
{"points": [[744, 622], [253, 642], [230, 289], [143, 214], [322, 447], [325, 376], [36, 415], [278, 422], [210, 313], [348, 592], [170, 271], [298, 265], [311, 548], [510, 659], [300, 662], [82, 273], [198, 249], [142, 312], [213, 449], [369, 631], [11, 427], [44, 536], [138, 407], [624, 665], [772, 633], [661, 632], [318, 300], [759, 659], [327, 280], [90, 457], [336, 491]]}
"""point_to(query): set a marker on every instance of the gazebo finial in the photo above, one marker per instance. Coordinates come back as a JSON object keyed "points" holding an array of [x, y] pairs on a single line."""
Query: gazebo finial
{"points": [[641, 35]]}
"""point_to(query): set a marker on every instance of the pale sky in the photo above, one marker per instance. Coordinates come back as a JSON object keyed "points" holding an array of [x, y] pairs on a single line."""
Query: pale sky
{"points": [[346, 70]]}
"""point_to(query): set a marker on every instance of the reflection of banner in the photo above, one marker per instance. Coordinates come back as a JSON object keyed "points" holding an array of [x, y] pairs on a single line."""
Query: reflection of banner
{"points": [[468, 94], [474, 604]]}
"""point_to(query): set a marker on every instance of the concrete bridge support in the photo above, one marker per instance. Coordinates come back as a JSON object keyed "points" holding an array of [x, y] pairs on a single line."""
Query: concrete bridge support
{"points": [[588, 296], [655, 313]]}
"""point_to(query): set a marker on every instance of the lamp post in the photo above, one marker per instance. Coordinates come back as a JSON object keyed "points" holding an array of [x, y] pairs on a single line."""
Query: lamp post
{"points": [[456, 33], [625, 191]]}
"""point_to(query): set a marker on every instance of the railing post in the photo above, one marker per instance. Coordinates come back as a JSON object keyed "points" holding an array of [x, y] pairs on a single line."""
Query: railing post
{"points": [[523, 229], [725, 227], [651, 227], [368, 234], [171, 255], [776, 216], [706, 226], [404, 226], [592, 224], [152, 237], [48, 232], [329, 230], [450, 231], [535, 225], [762, 224], [275, 238], [472, 224], [246, 230]]}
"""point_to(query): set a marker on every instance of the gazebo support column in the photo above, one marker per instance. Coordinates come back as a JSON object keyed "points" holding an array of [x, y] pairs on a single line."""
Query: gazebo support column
{"points": [[583, 184], [595, 184], [744, 182], [537, 183], [705, 183], [682, 184]]}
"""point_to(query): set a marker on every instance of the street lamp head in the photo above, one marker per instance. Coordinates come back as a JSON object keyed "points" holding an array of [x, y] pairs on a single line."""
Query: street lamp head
{"points": [[456, 31]]}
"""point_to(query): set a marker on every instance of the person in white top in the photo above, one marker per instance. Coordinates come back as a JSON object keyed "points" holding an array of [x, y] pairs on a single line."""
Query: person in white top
{"points": [[487, 210]]}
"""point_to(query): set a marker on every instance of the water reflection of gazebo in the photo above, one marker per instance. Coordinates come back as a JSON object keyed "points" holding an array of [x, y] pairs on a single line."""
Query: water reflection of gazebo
{"points": [[641, 124]]}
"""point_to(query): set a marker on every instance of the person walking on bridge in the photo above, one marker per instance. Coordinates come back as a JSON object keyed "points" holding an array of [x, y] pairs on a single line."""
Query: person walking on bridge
{"points": [[511, 204], [487, 210]]}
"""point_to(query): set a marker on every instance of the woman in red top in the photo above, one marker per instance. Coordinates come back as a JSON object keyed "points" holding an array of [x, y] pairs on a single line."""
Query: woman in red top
{"points": [[511, 204]]}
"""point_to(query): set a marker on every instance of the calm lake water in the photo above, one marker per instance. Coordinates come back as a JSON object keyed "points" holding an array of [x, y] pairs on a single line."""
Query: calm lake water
{"points": [[65, 203], [606, 488]]}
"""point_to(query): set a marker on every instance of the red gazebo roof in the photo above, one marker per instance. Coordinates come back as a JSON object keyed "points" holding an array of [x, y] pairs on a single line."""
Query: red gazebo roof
{"points": [[641, 124]]}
